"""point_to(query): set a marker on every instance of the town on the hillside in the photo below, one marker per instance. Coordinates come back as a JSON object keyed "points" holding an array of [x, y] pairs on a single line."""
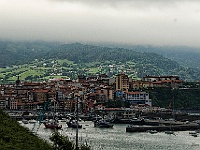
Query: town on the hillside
{"points": [[92, 94]]}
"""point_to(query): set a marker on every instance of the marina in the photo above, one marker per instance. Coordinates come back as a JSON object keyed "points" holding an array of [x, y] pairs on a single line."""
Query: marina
{"points": [[117, 138]]}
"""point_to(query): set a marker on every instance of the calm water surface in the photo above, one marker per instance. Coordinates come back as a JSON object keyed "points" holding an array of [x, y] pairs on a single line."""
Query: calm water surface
{"points": [[118, 139]]}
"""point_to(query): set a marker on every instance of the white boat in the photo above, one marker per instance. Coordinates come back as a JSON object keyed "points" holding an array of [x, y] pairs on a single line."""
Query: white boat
{"points": [[32, 121], [24, 121], [153, 131], [103, 124], [62, 120], [20, 122], [169, 132]]}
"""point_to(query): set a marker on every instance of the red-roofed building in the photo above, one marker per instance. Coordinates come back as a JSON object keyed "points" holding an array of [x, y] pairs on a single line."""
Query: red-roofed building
{"points": [[164, 81]]}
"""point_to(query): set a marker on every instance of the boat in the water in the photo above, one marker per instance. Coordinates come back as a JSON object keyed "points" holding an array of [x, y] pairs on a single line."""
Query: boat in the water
{"points": [[24, 121], [52, 124], [103, 124], [153, 131], [195, 134], [73, 124], [32, 121], [137, 121], [169, 132], [121, 120]]}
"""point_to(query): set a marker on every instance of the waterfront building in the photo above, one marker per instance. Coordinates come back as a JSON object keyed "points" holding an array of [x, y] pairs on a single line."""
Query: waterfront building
{"points": [[136, 98], [125, 113], [95, 90]]}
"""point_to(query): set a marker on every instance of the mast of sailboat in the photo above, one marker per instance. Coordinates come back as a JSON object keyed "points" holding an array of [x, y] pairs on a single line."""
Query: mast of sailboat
{"points": [[173, 104], [76, 122], [78, 94]]}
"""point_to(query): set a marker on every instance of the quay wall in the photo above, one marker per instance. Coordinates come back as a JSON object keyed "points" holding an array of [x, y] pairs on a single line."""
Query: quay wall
{"points": [[177, 116], [183, 127]]}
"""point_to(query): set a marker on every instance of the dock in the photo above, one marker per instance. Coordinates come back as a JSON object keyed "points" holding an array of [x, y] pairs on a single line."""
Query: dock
{"points": [[178, 126]]}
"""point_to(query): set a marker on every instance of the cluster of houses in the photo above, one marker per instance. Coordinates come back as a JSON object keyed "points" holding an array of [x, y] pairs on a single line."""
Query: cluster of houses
{"points": [[90, 92]]}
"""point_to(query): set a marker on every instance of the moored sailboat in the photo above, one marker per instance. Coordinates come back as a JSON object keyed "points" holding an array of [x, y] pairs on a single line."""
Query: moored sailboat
{"points": [[73, 124], [103, 124], [52, 124]]}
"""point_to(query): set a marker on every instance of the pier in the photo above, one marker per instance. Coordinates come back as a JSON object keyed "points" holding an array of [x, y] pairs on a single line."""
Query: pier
{"points": [[162, 127]]}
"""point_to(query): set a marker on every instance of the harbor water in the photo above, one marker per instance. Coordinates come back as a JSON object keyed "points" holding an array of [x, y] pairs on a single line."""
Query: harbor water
{"points": [[117, 138]]}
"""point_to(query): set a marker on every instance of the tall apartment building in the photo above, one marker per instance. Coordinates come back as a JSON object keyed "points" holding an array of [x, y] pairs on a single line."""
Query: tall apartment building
{"points": [[122, 82]]}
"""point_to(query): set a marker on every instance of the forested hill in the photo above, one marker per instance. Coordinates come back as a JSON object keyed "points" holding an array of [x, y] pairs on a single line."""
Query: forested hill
{"points": [[88, 53], [186, 56], [145, 62], [142, 63], [15, 53]]}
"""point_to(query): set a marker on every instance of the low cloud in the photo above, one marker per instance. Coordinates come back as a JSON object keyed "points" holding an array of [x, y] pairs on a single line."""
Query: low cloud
{"points": [[122, 3], [163, 22]]}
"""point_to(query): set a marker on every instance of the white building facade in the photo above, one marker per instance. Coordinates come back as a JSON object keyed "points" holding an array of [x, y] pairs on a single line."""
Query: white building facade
{"points": [[138, 98]]}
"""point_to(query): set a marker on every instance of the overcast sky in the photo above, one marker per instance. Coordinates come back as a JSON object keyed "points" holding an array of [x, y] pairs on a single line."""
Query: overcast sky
{"points": [[154, 22]]}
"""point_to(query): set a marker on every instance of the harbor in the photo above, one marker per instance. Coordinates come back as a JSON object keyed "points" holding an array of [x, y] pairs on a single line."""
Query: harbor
{"points": [[140, 133], [117, 138], [148, 131]]}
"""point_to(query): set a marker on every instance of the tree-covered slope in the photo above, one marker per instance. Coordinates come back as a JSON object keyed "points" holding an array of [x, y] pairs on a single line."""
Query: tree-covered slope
{"points": [[185, 56], [180, 98], [15, 137], [145, 63], [88, 53], [14, 53]]}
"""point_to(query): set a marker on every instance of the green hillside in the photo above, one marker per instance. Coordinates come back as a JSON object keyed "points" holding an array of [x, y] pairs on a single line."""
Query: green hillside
{"points": [[15, 137], [38, 61], [15, 53], [146, 63]]}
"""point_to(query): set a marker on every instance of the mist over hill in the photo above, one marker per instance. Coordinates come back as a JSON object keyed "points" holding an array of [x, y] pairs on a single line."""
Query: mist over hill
{"points": [[147, 60], [185, 56], [15, 53]]}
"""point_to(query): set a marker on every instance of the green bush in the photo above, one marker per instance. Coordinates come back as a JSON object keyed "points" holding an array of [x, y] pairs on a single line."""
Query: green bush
{"points": [[61, 142]]}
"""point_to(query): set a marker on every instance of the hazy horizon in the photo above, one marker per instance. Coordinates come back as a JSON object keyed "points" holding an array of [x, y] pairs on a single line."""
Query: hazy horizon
{"points": [[132, 22]]}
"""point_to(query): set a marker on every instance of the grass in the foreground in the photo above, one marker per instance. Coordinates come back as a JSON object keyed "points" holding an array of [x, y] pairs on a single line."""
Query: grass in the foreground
{"points": [[15, 137]]}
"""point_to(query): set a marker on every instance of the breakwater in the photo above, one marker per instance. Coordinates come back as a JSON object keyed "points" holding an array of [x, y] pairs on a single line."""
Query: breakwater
{"points": [[162, 127], [176, 116]]}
